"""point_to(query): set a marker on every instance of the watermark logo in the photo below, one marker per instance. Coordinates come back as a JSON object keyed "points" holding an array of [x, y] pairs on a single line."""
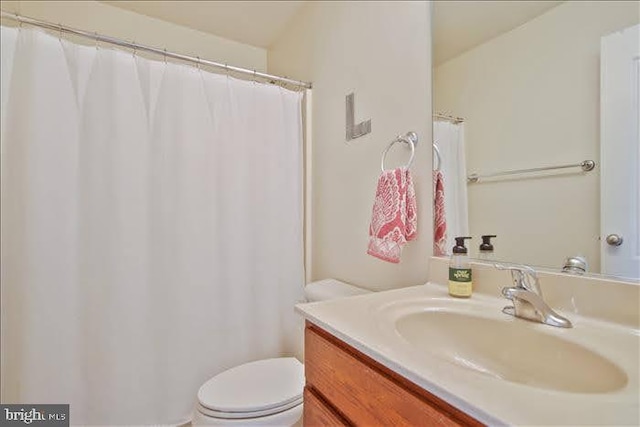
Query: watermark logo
{"points": [[34, 415]]}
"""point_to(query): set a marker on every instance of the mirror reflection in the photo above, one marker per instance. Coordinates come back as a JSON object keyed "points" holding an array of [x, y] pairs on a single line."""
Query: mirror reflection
{"points": [[531, 86]]}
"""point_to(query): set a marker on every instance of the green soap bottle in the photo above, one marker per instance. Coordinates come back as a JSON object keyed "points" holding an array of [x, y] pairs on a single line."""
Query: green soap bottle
{"points": [[460, 283]]}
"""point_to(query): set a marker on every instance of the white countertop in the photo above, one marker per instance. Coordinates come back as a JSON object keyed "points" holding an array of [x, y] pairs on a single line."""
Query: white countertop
{"points": [[361, 322]]}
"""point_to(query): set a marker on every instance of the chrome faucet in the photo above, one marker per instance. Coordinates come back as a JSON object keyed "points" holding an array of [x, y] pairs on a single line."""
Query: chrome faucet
{"points": [[527, 298]]}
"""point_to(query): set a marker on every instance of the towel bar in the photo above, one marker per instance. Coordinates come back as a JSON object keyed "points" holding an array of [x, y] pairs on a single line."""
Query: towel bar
{"points": [[586, 165]]}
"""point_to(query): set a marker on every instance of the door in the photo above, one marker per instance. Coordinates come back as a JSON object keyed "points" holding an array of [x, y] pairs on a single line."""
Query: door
{"points": [[620, 153]]}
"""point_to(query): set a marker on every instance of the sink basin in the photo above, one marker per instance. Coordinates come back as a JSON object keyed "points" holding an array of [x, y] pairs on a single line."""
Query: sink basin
{"points": [[510, 349], [499, 369]]}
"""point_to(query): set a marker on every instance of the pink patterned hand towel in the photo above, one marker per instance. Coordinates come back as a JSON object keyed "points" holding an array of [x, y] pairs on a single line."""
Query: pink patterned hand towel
{"points": [[394, 218], [439, 216]]}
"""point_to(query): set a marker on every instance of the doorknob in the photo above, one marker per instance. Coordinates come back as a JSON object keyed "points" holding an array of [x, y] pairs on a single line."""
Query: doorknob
{"points": [[614, 239]]}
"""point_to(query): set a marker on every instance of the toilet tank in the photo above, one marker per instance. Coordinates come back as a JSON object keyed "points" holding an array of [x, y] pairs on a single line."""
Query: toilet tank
{"points": [[327, 289]]}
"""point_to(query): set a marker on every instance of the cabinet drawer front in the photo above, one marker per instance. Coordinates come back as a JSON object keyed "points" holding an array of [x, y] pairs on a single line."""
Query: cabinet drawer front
{"points": [[317, 413], [364, 393]]}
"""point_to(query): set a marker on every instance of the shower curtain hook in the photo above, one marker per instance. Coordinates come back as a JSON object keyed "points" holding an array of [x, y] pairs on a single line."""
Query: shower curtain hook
{"points": [[198, 63], [135, 49], [59, 32], [165, 56], [95, 39], [254, 76]]}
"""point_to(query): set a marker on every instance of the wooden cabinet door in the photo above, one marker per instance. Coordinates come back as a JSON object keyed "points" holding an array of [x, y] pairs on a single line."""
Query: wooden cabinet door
{"points": [[318, 414], [367, 393]]}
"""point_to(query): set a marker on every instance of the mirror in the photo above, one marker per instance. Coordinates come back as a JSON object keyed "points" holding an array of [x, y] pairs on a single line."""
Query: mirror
{"points": [[517, 86]]}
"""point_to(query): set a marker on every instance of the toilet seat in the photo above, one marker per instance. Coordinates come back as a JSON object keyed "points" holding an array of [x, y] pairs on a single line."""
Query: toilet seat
{"points": [[249, 414], [255, 389]]}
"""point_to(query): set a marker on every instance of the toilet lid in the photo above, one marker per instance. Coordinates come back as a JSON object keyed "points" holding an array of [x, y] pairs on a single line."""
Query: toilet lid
{"points": [[262, 386]]}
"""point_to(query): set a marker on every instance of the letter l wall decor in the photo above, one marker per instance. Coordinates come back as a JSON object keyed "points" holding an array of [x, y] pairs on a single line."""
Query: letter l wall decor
{"points": [[355, 131]]}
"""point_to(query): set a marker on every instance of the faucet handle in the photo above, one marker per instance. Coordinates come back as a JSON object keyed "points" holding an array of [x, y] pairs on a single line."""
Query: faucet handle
{"points": [[523, 277], [518, 277]]}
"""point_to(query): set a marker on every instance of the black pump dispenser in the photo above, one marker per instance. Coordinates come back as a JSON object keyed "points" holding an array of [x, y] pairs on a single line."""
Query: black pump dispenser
{"points": [[486, 245], [460, 248]]}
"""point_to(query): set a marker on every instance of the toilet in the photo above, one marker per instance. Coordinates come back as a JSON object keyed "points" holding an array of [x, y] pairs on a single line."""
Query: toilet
{"points": [[263, 392]]}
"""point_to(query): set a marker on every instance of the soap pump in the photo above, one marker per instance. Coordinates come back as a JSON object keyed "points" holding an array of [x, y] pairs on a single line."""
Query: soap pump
{"points": [[460, 284], [486, 247]]}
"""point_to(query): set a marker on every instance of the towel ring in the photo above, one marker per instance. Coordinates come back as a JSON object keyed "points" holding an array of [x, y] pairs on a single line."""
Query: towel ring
{"points": [[410, 138], [437, 158]]}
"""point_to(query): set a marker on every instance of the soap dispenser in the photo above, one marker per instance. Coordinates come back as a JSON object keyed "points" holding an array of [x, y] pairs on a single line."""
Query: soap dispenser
{"points": [[486, 248], [460, 284]]}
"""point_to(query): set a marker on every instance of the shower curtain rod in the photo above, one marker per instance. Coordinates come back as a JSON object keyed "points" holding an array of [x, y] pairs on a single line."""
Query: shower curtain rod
{"points": [[163, 52], [452, 119]]}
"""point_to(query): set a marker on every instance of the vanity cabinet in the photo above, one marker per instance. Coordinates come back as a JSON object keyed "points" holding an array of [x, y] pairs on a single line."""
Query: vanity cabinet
{"points": [[345, 387]]}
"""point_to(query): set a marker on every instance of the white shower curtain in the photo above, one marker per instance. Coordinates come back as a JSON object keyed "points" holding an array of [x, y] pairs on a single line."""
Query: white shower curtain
{"points": [[449, 138], [151, 228]]}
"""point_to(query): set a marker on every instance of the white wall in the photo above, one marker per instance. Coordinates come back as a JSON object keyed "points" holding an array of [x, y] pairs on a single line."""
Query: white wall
{"points": [[531, 98], [382, 52], [112, 21]]}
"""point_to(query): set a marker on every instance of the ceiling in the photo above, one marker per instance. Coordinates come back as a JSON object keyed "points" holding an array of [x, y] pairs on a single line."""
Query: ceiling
{"points": [[458, 25], [463, 25], [257, 23]]}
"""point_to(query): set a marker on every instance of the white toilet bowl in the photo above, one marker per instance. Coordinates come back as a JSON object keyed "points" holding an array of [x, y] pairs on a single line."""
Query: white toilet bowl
{"points": [[264, 392]]}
